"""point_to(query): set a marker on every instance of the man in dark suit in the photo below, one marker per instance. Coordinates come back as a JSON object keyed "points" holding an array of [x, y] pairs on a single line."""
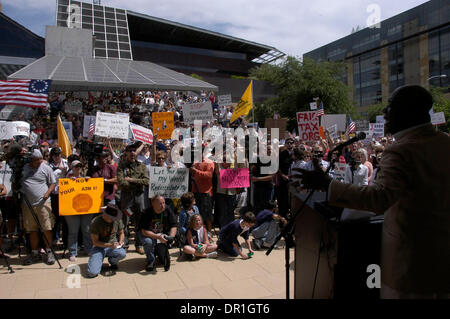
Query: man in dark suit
{"points": [[412, 189]]}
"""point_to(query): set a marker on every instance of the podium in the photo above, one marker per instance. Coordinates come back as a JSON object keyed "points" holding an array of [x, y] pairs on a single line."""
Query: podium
{"points": [[331, 258]]}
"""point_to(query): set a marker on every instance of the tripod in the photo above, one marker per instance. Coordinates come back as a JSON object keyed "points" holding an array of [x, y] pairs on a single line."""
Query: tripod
{"points": [[22, 196], [287, 234]]}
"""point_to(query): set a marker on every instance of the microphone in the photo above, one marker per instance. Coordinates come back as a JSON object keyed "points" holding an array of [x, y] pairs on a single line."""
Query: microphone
{"points": [[358, 137]]}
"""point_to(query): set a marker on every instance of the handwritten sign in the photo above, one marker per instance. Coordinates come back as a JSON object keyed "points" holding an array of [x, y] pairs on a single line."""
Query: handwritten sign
{"points": [[332, 130], [10, 129], [112, 125], [168, 182], [73, 107], [5, 178], [234, 178], [339, 171], [197, 111], [163, 124], [224, 100], [141, 133], [308, 126], [80, 196]]}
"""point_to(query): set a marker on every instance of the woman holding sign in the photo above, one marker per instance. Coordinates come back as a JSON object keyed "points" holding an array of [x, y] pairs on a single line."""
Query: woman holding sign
{"points": [[75, 222]]}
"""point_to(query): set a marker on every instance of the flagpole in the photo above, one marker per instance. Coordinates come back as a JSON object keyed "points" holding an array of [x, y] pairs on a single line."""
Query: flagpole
{"points": [[253, 104]]}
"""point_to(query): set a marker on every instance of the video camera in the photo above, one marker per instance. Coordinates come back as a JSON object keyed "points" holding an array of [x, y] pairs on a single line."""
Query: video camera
{"points": [[90, 150], [16, 158]]}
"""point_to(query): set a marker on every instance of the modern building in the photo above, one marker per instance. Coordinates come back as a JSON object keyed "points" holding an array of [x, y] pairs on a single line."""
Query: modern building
{"points": [[128, 35], [410, 48]]}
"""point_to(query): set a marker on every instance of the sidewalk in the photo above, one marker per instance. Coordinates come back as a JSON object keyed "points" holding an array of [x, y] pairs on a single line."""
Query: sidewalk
{"points": [[225, 277]]}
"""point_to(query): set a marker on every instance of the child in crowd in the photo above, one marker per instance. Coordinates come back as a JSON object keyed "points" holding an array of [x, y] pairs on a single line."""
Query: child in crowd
{"points": [[197, 242], [228, 236]]}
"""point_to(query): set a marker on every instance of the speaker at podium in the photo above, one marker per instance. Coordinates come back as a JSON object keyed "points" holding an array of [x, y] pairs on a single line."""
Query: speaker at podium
{"points": [[332, 257]]}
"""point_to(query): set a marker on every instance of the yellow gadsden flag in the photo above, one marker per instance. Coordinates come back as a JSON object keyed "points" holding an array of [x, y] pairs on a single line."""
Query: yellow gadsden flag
{"points": [[63, 139], [245, 104]]}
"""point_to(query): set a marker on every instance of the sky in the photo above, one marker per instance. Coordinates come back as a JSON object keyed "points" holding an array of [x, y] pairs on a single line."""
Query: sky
{"points": [[294, 27]]}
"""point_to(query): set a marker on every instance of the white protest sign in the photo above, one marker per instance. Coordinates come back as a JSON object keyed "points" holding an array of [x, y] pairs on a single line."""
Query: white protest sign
{"points": [[380, 119], [438, 118], [376, 129], [333, 131], [10, 129], [141, 133], [313, 106], [362, 125], [224, 100], [339, 171], [168, 182], [112, 125], [198, 111], [308, 126], [68, 128], [5, 178], [331, 119], [88, 119], [73, 107]]}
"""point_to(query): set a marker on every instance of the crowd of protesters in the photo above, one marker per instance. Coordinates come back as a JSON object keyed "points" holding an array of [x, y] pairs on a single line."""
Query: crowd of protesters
{"points": [[156, 224]]}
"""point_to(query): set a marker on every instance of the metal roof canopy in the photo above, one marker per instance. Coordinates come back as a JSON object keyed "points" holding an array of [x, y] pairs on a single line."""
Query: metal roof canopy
{"points": [[90, 74]]}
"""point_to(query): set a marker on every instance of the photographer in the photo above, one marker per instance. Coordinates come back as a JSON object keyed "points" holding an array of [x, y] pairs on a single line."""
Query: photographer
{"points": [[38, 182]]}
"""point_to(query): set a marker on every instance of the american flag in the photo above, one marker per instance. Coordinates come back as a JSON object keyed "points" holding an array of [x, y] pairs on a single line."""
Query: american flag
{"points": [[30, 93], [320, 110], [91, 131], [350, 126]]}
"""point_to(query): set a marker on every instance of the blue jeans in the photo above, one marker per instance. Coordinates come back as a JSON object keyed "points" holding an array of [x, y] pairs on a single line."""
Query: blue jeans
{"points": [[227, 247], [74, 223], [98, 254], [267, 232], [149, 247]]}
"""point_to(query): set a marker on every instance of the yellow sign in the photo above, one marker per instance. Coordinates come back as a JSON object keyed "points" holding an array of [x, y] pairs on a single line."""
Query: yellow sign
{"points": [[244, 105], [163, 124], [80, 196]]}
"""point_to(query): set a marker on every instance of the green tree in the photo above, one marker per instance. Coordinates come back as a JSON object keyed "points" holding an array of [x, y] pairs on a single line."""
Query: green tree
{"points": [[297, 83], [442, 104], [373, 111]]}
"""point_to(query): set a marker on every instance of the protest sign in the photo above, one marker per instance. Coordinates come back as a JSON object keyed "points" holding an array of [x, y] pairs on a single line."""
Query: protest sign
{"points": [[362, 125], [10, 129], [117, 144], [380, 119], [224, 100], [273, 123], [80, 196], [168, 182], [313, 106], [88, 119], [338, 119], [332, 130], [339, 171], [197, 111], [68, 128], [376, 129], [163, 124], [438, 118], [33, 138], [141, 133], [73, 107], [112, 125], [234, 178], [308, 126], [5, 178]]}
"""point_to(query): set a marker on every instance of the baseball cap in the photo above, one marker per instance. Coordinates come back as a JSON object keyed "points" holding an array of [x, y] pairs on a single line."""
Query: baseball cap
{"points": [[76, 162]]}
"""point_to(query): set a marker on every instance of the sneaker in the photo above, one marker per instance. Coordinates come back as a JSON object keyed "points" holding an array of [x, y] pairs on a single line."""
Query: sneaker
{"points": [[50, 258], [140, 250], [32, 259], [212, 254], [73, 258], [256, 243]]}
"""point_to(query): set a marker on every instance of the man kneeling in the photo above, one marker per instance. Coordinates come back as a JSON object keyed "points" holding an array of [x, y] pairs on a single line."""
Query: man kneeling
{"points": [[105, 229]]}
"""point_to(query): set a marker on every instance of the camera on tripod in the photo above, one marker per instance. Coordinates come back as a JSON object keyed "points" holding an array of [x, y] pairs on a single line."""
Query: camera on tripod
{"points": [[90, 150]]}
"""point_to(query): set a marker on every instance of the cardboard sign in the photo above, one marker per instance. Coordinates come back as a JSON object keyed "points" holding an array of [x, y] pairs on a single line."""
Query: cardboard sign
{"points": [[438, 118], [376, 129], [198, 111], [332, 130], [10, 129], [112, 125], [88, 119], [117, 144], [73, 107], [234, 178], [224, 100], [69, 130], [339, 171], [308, 126], [168, 182], [273, 123], [141, 133], [163, 124], [80, 196]]}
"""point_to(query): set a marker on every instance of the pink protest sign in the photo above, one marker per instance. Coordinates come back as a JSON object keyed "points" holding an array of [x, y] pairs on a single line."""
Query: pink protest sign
{"points": [[234, 178], [308, 126]]}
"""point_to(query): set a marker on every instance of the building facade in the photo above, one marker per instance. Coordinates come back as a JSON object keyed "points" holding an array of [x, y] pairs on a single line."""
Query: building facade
{"points": [[410, 48]]}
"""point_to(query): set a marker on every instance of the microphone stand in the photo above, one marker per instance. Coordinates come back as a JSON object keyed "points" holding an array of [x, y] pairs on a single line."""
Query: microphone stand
{"points": [[288, 230]]}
